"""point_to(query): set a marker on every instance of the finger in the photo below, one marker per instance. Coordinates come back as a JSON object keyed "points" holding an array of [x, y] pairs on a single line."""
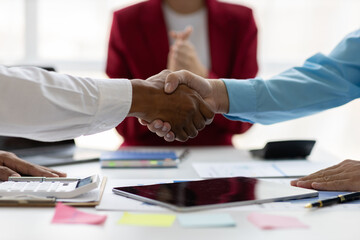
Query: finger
{"points": [[143, 122], [199, 121], [191, 130], [155, 125], [36, 170], [60, 174], [182, 53], [181, 135], [5, 173], [323, 176], [173, 34], [20, 166], [169, 137], [294, 182], [206, 112], [26, 168], [160, 76], [338, 185], [186, 33], [197, 83], [304, 184], [161, 132], [321, 173], [327, 177]]}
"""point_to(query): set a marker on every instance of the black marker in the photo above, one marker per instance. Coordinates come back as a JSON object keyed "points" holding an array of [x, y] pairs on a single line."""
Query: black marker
{"points": [[335, 200]]}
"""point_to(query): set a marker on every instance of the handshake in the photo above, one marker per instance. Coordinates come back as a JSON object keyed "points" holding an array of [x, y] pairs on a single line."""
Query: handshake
{"points": [[177, 105]]}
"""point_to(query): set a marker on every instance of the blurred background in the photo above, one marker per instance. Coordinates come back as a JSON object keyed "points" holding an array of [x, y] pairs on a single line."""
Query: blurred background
{"points": [[72, 36]]}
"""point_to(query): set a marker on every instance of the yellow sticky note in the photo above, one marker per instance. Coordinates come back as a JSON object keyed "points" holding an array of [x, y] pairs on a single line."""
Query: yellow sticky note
{"points": [[157, 220]]}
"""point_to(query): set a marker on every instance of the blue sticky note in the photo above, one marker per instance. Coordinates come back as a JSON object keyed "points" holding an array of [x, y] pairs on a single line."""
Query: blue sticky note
{"points": [[206, 220]]}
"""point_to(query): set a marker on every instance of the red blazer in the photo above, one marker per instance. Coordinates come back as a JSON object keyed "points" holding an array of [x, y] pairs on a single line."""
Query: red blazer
{"points": [[139, 46]]}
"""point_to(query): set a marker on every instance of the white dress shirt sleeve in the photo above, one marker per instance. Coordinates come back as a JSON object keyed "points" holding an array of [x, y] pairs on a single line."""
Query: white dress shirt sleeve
{"points": [[49, 106]]}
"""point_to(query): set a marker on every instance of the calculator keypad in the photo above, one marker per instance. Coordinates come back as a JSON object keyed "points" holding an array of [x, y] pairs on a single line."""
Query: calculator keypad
{"points": [[28, 187]]}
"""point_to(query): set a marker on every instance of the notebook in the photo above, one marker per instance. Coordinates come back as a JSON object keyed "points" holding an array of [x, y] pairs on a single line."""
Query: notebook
{"points": [[48, 153], [139, 159]]}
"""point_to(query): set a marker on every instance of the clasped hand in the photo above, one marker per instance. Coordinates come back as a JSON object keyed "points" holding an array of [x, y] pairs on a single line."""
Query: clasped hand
{"points": [[185, 111], [210, 97]]}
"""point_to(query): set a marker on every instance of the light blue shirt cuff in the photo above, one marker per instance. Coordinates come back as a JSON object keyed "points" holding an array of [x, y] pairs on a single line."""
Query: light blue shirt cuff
{"points": [[247, 104]]}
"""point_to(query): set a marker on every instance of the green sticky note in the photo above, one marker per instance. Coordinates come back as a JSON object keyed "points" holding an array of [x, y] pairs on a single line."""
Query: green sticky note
{"points": [[206, 220], [111, 164], [156, 220], [153, 162]]}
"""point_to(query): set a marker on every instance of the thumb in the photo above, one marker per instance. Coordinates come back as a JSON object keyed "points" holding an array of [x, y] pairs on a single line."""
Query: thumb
{"points": [[186, 33], [193, 81], [173, 34], [182, 35]]}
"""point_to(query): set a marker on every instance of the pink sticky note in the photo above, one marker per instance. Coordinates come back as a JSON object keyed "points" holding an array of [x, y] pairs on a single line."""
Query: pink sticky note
{"points": [[67, 214], [266, 221]]}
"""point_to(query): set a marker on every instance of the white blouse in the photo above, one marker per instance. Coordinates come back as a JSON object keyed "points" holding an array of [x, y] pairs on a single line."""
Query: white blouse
{"points": [[199, 37]]}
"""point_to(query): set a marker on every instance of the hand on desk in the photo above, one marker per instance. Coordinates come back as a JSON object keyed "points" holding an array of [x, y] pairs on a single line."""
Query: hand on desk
{"points": [[11, 165], [212, 91], [184, 109], [341, 177]]}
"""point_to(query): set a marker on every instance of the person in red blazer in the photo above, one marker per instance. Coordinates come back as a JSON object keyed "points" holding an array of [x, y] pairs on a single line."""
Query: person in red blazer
{"points": [[139, 48]]}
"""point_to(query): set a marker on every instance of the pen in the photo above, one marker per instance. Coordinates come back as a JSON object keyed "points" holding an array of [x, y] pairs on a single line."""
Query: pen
{"points": [[339, 199], [184, 154]]}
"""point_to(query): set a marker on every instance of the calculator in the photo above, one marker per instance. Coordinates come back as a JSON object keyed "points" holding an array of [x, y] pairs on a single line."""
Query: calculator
{"points": [[48, 187]]}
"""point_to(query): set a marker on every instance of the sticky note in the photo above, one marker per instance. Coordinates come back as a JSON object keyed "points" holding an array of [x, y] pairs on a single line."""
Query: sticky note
{"points": [[267, 221], [157, 220], [206, 220], [67, 214]]}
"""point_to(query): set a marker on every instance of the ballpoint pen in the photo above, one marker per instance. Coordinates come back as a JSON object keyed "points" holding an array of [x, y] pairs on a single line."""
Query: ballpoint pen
{"points": [[335, 200]]}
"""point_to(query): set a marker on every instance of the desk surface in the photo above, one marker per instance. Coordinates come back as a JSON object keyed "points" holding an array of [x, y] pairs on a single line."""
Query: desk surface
{"points": [[35, 223]]}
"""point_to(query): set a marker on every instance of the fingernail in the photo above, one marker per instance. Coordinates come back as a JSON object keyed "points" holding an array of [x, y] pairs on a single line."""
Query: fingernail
{"points": [[168, 136], [167, 87], [164, 129], [157, 125], [299, 183]]}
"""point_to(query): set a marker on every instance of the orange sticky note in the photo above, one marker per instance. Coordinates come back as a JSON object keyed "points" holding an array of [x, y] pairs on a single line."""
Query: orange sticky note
{"points": [[67, 214], [267, 221]]}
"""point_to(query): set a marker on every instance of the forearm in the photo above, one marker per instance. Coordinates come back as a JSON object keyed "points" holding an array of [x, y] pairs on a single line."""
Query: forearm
{"points": [[50, 106], [323, 82], [295, 93]]}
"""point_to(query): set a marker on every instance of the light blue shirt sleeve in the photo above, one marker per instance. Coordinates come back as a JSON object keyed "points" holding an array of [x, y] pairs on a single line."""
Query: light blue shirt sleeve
{"points": [[323, 82]]}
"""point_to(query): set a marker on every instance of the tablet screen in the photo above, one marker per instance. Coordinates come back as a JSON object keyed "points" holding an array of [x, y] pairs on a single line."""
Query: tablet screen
{"points": [[213, 192]]}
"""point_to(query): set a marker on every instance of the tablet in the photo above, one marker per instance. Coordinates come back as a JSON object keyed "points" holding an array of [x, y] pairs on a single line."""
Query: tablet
{"points": [[213, 193]]}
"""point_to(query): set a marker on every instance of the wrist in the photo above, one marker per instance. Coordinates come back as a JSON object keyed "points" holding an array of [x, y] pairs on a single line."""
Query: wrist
{"points": [[138, 103], [220, 95]]}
